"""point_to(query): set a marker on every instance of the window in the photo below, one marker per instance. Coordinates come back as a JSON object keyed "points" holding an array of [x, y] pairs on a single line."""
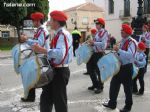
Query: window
{"points": [[85, 21], [111, 6], [126, 8], [5, 34], [146, 6]]}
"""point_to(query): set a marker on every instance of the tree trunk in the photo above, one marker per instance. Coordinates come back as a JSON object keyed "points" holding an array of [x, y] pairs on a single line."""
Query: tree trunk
{"points": [[18, 33]]}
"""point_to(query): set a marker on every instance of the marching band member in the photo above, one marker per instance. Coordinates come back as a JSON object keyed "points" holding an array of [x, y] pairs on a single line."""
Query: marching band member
{"points": [[41, 38], [126, 53], [99, 45], [60, 54], [140, 62], [145, 37], [90, 37]]}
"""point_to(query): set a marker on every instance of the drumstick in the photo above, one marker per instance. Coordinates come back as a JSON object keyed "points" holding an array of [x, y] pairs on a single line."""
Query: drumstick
{"points": [[86, 42]]}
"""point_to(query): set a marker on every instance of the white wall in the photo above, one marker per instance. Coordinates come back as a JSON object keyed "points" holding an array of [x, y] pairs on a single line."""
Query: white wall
{"points": [[133, 7], [113, 21]]}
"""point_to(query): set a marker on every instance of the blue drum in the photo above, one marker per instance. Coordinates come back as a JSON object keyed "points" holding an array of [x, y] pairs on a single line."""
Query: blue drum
{"points": [[83, 53], [135, 71], [35, 69], [109, 65]]}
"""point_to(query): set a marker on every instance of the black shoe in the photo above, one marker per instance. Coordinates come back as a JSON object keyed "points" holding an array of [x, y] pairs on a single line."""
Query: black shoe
{"points": [[107, 105], [125, 110], [27, 100], [139, 93], [91, 88], [86, 73], [97, 91], [134, 91]]}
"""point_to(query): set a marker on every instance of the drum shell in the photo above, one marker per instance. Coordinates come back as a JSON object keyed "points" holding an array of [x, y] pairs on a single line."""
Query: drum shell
{"points": [[46, 71], [83, 53]]}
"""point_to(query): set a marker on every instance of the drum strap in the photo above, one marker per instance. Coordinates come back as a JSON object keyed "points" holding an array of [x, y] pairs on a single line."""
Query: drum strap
{"points": [[53, 45], [126, 45], [147, 35], [100, 34]]}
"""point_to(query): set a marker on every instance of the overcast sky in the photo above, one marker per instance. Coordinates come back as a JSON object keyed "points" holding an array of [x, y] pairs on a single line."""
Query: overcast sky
{"points": [[63, 4]]}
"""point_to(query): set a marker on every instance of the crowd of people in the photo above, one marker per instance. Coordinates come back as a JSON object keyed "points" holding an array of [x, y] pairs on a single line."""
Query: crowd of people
{"points": [[60, 53]]}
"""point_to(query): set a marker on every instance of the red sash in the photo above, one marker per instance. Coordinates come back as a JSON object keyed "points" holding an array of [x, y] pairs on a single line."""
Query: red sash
{"points": [[126, 45], [53, 45], [100, 34], [147, 35], [37, 34]]}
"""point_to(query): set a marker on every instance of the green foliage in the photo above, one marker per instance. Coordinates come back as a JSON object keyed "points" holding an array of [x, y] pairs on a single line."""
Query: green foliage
{"points": [[12, 15], [6, 47], [15, 15], [40, 6]]}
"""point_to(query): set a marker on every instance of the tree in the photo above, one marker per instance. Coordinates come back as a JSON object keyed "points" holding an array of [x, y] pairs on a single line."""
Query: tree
{"points": [[40, 6], [12, 15], [15, 15]]}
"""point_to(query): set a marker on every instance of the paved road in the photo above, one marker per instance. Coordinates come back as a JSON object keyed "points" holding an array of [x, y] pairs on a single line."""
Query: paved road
{"points": [[79, 98]]}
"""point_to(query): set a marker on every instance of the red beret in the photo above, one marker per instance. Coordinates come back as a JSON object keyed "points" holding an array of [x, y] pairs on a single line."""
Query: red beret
{"points": [[127, 29], [141, 46], [93, 30], [37, 16], [58, 15], [100, 21], [146, 26]]}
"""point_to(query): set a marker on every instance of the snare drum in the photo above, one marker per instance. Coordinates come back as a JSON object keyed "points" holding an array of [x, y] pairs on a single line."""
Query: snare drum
{"points": [[108, 65], [46, 71]]}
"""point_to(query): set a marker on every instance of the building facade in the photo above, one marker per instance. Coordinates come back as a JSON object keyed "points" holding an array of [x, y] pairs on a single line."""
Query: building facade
{"points": [[82, 17], [118, 12]]}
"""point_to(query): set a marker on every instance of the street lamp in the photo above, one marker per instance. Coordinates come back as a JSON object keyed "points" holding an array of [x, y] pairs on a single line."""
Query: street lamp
{"points": [[137, 22]]}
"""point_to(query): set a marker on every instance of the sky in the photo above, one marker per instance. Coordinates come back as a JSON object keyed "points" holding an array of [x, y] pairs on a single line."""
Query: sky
{"points": [[63, 4]]}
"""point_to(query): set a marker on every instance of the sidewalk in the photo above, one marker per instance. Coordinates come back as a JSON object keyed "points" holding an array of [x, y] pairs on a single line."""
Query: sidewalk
{"points": [[5, 54]]}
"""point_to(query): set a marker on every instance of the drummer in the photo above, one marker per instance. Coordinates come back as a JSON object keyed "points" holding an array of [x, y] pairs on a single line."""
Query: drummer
{"points": [[99, 44], [90, 37], [140, 62], [145, 37], [60, 54], [41, 38], [126, 52]]}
